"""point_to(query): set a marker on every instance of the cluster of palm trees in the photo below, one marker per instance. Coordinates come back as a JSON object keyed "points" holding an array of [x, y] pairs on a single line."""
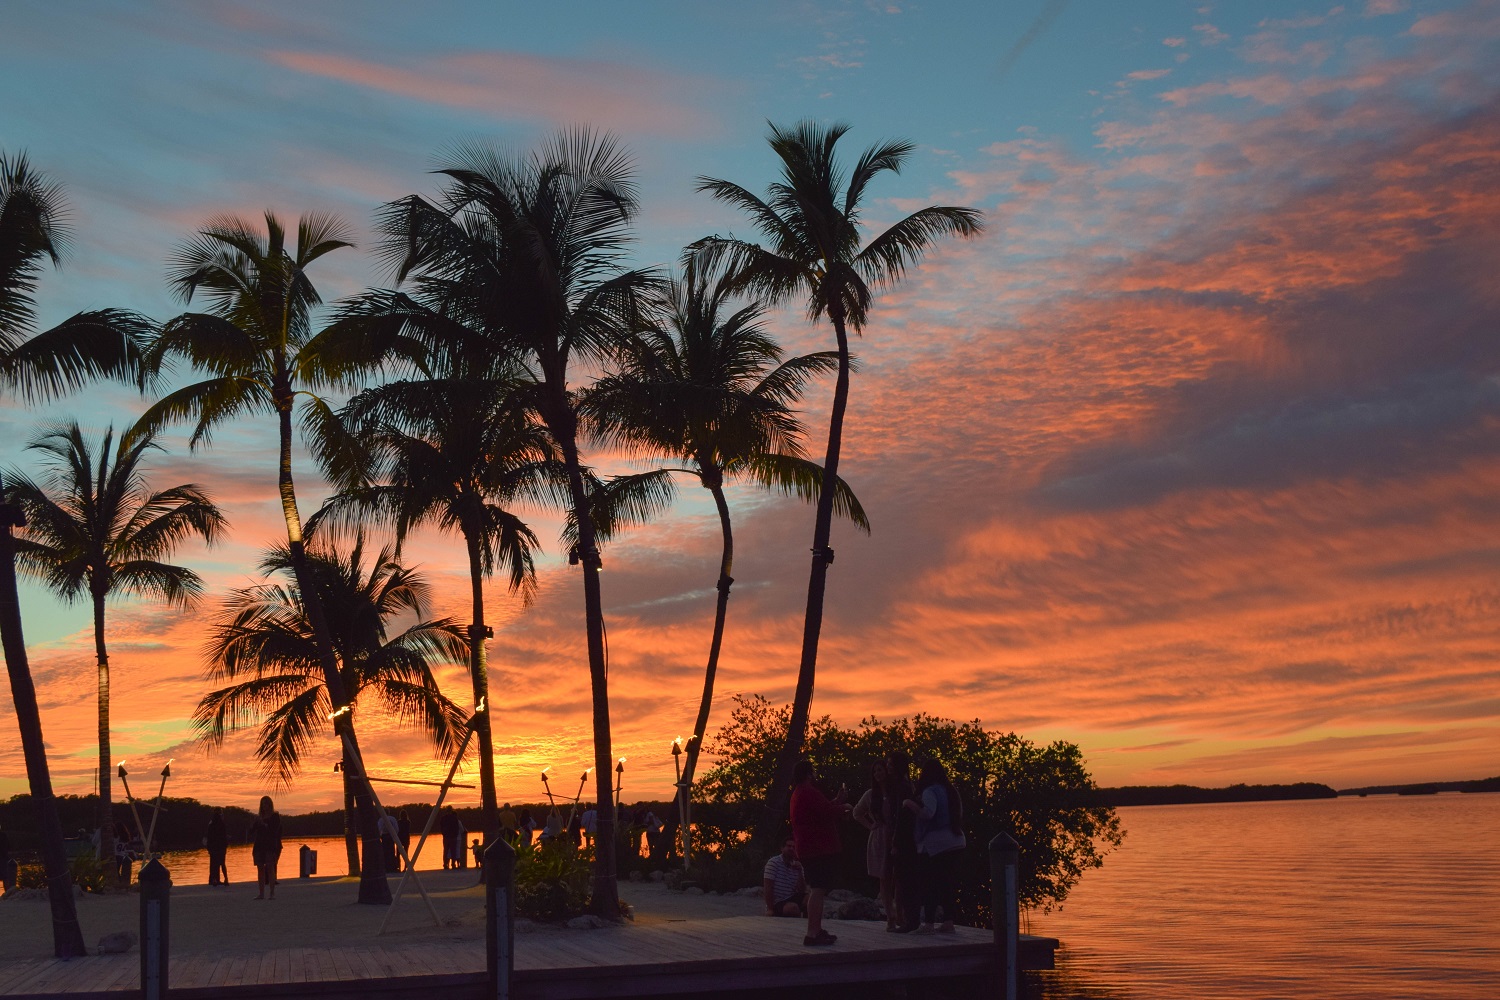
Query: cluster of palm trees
{"points": [[515, 335]]}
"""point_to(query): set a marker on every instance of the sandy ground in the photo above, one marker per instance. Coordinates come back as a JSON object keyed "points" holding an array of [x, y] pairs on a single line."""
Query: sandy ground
{"points": [[318, 912]]}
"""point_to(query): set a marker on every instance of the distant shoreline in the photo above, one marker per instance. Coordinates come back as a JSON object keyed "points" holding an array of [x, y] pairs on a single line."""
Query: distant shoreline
{"points": [[1176, 795]]}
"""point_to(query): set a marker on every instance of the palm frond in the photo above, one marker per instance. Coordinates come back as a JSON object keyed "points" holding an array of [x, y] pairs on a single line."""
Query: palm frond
{"points": [[801, 478]]}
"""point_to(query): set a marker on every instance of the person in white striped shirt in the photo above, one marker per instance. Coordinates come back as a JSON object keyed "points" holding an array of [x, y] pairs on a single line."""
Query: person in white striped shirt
{"points": [[782, 884]]}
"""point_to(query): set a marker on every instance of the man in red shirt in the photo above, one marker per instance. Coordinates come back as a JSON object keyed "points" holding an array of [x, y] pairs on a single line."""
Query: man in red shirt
{"points": [[815, 830]]}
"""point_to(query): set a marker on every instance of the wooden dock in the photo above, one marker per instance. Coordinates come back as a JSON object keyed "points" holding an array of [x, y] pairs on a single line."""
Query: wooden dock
{"points": [[653, 960]]}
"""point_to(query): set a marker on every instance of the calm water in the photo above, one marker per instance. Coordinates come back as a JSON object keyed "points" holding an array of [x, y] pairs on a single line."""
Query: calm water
{"points": [[1377, 898], [191, 867]]}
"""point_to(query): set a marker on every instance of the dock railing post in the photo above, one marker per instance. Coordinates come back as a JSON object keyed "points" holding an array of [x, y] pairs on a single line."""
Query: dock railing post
{"points": [[156, 900], [1005, 908], [500, 916]]}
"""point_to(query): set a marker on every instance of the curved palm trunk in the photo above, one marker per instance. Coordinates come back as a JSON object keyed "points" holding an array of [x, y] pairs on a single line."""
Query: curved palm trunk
{"points": [[606, 891], [67, 936], [705, 706], [373, 887], [774, 820], [104, 815], [479, 671]]}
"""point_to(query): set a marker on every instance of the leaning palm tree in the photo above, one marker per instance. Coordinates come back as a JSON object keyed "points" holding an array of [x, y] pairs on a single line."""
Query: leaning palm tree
{"points": [[95, 528], [460, 453], [708, 385], [264, 646], [37, 366], [527, 252], [811, 220], [256, 344]]}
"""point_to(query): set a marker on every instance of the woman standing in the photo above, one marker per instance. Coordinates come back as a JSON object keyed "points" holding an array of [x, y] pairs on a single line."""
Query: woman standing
{"points": [[905, 880], [940, 844], [265, 847], [216, 839], [873, 813]]}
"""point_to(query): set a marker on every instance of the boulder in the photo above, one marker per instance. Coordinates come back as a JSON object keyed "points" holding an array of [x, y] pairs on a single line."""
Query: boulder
{"points": [[692, 890], [657, 876], [750, 890], [841, 895], [117, 943], [587, 922], [636, 876], [527, 926], [861, 908]]}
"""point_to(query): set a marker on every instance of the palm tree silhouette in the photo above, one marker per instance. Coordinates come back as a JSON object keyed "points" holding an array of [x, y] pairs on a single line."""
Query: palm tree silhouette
{"points": [[37, 366], [95, 528], [460, 453], [708, 385], [811, 220], [527, 252], [257, 346], [264, 646]]}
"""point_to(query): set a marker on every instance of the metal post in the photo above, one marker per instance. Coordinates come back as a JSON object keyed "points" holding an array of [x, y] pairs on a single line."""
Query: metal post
{"points": [[500, 917], [156, 893], [1005, 909]]}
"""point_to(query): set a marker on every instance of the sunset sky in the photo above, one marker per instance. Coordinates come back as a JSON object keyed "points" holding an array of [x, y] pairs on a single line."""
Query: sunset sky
{"points": [[1193, 458]]}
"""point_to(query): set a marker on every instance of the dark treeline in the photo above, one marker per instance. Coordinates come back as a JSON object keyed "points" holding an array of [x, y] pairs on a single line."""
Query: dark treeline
{"points": [[183, 821], [1176, 795], [1427, 787]]}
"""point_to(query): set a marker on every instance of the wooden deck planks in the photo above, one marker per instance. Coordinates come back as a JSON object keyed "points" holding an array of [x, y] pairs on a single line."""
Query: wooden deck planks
{"points": [[632, 961]]}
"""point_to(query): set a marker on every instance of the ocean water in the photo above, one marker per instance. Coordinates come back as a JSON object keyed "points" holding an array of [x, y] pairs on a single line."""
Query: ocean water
{"points": [[1368, 899], [191, 867]]}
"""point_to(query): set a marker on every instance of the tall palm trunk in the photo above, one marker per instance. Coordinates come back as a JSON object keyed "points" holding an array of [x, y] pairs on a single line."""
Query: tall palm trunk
{"points": [[373, 887], [777, 797], [67, 936], [721, 612], [478, 670], [104, 813], [351, 826], [606, 901]]}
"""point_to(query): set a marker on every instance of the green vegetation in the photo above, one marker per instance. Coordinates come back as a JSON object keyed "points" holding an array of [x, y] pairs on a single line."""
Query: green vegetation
{"points": [[1040, 795]]}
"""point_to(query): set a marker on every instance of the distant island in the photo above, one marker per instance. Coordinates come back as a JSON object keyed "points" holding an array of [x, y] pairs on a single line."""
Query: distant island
{"points": [[1427, 787], [1176, 795]]}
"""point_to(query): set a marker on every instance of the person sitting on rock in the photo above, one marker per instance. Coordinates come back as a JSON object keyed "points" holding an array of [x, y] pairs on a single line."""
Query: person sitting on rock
{"points": [[783, 886]]}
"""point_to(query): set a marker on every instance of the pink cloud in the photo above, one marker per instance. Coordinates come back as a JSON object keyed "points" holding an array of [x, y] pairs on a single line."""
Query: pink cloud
{"points": [[553, 90]]}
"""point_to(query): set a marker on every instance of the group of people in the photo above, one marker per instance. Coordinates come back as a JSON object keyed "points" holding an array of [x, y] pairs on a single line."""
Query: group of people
{"points": [[916, 842], [579, 829]]}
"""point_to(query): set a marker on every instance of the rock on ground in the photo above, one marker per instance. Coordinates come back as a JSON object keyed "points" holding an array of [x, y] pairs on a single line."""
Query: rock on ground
{"points": [[587, 922], [117, 943]]}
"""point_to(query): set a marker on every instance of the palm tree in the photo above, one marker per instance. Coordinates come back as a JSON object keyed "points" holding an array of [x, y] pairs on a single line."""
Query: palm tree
{"points": [[811, 220], [263, 645], [709, 386], [86, 346], [37, 366], [257, 346], [95, 528], [527, 252], [458, 452]]}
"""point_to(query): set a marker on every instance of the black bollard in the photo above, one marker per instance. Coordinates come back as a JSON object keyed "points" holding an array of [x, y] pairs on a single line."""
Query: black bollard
{"points": [[156, 900], [1005, 909], [500, 916]]}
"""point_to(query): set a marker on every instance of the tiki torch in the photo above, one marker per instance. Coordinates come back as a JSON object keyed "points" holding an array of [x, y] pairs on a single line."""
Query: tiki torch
{"points": [[121, 773], [548, 785], [166, 772]]}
